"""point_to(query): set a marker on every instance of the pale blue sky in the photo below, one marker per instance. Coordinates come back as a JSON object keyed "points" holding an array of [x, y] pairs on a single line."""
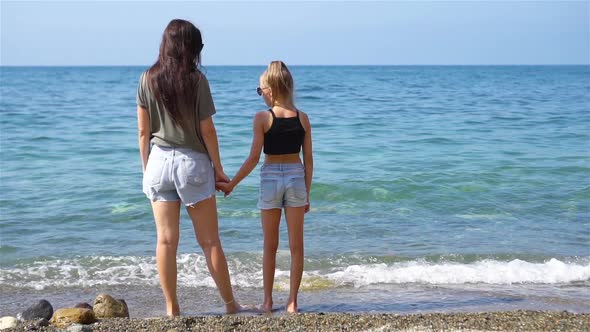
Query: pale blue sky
{"points": [[300, 33]]}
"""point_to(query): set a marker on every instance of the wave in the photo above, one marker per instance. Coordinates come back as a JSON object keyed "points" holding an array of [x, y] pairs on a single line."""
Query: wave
{"points": [[321, 273], [7, 249], [482, 272]]}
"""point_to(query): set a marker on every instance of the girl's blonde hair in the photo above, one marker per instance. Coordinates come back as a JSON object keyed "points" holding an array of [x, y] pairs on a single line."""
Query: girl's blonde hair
{"points": [[279, 80]]}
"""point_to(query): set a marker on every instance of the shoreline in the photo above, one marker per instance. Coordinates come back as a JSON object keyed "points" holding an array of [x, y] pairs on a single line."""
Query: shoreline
{"points": [[148, 301], [518, 320]]}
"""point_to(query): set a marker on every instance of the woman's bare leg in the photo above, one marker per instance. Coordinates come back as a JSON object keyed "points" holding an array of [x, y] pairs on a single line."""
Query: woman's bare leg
{"points": [[294, 216], [270, 228], [204, 217], [167, 215]]}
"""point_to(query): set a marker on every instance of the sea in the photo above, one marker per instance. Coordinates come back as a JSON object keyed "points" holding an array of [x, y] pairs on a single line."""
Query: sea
{"points": [[435, 189]]}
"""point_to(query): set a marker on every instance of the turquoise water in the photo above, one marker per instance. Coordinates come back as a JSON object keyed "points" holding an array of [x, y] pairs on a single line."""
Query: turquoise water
{"points": [[472, 176]]}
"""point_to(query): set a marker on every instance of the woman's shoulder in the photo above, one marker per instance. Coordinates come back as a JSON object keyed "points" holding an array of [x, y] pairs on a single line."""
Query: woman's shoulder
{"points": [[143, 76], [143, 86], [201, 75]]}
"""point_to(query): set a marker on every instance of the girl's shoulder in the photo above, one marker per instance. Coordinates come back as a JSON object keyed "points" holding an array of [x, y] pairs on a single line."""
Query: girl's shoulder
{"points": [[262, 121], [262, 115], [304, 119], [303, 115]]}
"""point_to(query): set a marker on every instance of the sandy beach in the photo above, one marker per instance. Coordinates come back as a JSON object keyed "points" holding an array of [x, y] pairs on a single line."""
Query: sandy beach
{"points": [[485, 321]]}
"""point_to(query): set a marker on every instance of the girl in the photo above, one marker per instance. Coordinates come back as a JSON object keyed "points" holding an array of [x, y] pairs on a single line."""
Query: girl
{"points": [[285, 181], [174, 109]]}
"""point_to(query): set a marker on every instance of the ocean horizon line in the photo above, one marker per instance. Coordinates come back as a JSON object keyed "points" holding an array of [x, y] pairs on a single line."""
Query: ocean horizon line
{"points": [[313, 65]]}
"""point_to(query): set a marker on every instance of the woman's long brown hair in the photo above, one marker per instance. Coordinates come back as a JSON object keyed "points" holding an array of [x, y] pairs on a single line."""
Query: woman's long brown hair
{"points": [[175, 76]]}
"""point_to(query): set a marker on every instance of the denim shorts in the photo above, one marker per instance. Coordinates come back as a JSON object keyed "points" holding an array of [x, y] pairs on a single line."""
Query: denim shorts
{"points": [[282, 185], [174, 174]]}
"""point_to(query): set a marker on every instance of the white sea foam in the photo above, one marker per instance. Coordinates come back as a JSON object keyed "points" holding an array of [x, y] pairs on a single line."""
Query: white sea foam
{"points": [[481, 272], [246, 272]]}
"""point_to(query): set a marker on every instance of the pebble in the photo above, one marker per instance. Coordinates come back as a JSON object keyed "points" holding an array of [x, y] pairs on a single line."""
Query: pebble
{"points": [[83, 305], [8, 322], [41, 309], [79, 328], [65, 317], [525, 321], [105, 306]]}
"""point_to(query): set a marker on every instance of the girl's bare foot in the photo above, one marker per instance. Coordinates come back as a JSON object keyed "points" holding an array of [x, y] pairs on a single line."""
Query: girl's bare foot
{"points": [[292, 307]]}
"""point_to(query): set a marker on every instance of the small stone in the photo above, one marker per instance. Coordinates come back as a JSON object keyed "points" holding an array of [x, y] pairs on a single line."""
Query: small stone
{"points": [[41, 322], [79, 328], [83, 305], [8, 322], [42, 309], [31, 327], [105, 306], [63, 318]]}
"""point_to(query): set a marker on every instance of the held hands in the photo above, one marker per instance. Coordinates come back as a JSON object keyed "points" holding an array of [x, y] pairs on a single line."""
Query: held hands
{"points": [[222, 183], [226, 187], [220, 176]]}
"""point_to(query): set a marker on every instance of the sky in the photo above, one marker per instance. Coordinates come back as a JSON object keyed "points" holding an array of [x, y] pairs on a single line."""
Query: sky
{"points": [[48, 33]]}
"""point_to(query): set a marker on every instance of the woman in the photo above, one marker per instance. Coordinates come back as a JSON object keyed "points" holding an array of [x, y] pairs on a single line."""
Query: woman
{"points": [[285, 182], [174, 109]]}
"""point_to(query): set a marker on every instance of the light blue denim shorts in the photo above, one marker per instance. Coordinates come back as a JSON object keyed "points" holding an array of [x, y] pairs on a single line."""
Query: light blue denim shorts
{"points": [[174, 174], [282, 185]]}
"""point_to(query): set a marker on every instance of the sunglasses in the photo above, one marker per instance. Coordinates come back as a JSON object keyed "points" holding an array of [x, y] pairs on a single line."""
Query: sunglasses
{"points": [[259, 90]]}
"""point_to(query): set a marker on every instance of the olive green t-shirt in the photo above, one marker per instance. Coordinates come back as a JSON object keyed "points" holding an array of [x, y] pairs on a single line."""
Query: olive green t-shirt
{"points": [[164, 132]]}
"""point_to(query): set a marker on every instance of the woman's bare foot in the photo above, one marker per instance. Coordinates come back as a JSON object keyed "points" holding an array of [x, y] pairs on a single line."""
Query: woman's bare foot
{"points": [[232, 307], [173, 310], [292, 307], [266, 307]]}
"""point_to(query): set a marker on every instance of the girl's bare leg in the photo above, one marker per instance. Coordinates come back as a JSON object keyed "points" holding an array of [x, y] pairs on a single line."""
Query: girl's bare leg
{"points": [[295, 217], [270, 228]]}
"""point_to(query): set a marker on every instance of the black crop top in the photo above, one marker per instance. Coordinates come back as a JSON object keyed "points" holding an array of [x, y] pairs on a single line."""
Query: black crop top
{"points": [[285, 135]]}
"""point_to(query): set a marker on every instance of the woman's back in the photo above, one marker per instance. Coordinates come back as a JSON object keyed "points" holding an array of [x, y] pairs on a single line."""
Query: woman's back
{"points": [[164, 130], [180, 157]]}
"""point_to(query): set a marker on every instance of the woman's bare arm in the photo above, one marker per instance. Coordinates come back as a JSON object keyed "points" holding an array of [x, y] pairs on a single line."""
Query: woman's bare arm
{"points": [[144, 135], [211, 143]]}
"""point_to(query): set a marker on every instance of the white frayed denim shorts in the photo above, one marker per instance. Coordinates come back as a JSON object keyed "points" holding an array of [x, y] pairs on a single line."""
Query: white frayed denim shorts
{"points": [[282, 185], [174, 174]]}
